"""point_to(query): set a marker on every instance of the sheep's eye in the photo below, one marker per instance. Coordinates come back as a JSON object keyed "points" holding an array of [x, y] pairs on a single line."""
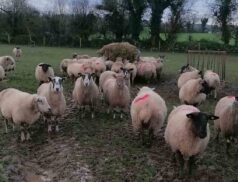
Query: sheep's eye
{"points": [[40, 101]]}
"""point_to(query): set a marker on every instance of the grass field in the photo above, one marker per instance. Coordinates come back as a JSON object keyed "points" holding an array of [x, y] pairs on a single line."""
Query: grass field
{"points": [[104, 149]]}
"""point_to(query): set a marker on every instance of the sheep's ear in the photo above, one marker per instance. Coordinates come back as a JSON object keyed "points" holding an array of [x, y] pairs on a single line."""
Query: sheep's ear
{"points": [[63, 79], [80, 74], [131, 69], [212, 117], [50, 79], [41, 64], [200, 73], [123, 69], [93, 75], [236, 97], [187, 65], [191, 115], [152, 89]]}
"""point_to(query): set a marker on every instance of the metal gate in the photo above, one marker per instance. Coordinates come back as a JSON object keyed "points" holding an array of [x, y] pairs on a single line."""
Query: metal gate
{"points": [[208, 60]]}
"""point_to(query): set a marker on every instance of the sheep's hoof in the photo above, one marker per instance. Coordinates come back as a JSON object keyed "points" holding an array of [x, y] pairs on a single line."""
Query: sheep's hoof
{"points": [[57, 128], [28, 137], [23, 138]]}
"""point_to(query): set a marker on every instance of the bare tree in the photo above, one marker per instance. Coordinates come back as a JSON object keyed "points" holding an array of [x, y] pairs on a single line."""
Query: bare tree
{"points": [[203, 24]]}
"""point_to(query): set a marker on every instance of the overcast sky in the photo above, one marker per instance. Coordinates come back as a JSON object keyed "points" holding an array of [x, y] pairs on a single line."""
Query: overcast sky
{"points": [[199, 7]]}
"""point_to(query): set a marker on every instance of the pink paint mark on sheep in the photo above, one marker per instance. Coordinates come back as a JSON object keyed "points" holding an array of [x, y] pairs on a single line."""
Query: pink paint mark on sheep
{"points": [[230, 97], [141, 98]]}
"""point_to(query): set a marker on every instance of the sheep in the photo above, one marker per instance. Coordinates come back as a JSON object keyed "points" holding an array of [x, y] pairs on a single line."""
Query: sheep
{"points": [[187, 133], [43, 71], [99, 67], [22, 109], [17, 52], [227, 124], [116, 67], [108, 64], [116, 93], [213, 81], [2, 73], [8, 63], [133, 71], [146, 70], [193, 92], [64, 64], [120, 49], [53, 91], [78, 56], [183, 78], [148, 109], [86, 91], [187, 68], [74, 68]]}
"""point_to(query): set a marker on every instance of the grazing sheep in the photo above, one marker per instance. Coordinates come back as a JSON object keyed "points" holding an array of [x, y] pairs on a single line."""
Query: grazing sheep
{"points": [[193, 92], [86, 91], [116, 93], [146, 70], [227, 124], [148, 110], [17, 52], [213, 81], [188, 133], [187, 68], [2, 73], [64, 64], [120, 49], [8, 63], [109, 64], [53, 91], [22, 109], [133, 71], [43, 71], [183, 78]]}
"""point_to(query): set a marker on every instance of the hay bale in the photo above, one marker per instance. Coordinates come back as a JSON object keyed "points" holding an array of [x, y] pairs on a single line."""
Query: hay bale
{"points": [[120, 49]]}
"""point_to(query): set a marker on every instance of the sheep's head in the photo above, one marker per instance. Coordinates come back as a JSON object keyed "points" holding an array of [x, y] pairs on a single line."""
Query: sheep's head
{"points": [[199, 122], [45, 67], [205, 88], [42, 104], [56, 85], [126, 72], [87, 78], [8, 61], [184, 69], [120, 80], [74, 55]]}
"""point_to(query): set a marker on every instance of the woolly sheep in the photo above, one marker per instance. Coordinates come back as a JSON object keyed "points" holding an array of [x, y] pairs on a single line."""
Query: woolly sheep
{"points": [[148, 109], [53, 91], [43, 71], [183, 78], [188, 133], [22, 109], [187, 68], [132, 67], [193, 92], [104, 77], [2, 73], [8, 63], [74, 68], [227, 124], [146, 70], [17, 52], [116, 93], [86, 91], [64, 64], [213, 81], [99, 67]]}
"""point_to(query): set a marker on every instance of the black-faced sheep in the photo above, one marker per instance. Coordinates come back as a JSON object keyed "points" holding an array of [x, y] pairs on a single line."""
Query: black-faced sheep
{"points": [[43, 71]]}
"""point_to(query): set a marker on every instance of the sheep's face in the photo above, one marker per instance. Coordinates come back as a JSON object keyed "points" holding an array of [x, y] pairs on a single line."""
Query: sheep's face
{"points": [[127, 72], [87, 78], [45, 67], [56, 85], [199, 122], [205, 87], [120, 80], [42, 104], [8, 61]]}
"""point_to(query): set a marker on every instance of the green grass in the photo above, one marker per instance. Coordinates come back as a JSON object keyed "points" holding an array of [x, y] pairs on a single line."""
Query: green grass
{"points": [[106, 145]]}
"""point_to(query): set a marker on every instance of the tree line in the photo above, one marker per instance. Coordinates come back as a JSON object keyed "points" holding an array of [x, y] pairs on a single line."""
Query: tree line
{"points": [[111, 20]]}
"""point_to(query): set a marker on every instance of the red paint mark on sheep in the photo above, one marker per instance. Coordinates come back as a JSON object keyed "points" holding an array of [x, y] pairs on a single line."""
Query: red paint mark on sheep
{"points": [[230, 97], [141, 98]]}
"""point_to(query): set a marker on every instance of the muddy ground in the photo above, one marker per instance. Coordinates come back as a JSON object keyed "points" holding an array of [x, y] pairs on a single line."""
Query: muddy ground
{"points": [[104, 149]]}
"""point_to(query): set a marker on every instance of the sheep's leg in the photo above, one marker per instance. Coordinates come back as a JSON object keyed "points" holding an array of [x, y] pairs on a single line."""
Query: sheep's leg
{"points": [[28, 136], [83, 110], [49, 121], [215, 94], [191, 163], [57, 124], [121, 113], [228, 146], [22, 128], [92, 112], [114, 114], [6, 123], [181, 162]]}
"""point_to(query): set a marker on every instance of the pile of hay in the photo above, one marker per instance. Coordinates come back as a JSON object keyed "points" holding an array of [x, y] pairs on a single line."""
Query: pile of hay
{"points": [[120, 49]]}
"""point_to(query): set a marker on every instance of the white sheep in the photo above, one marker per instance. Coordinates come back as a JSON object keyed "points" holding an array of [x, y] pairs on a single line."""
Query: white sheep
{"points": [[8, 63], [43, 71], [22, 109], [149, 110], [133, 71], [227, 124], [53, 91], [99, 67], [86, 92], [213, 81], [116, 93], [104, 77], [146, 70], [184, 77], [64, 64], [74, 68], [2, 73], [193, 92], [188, 133], [17, 52]]}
